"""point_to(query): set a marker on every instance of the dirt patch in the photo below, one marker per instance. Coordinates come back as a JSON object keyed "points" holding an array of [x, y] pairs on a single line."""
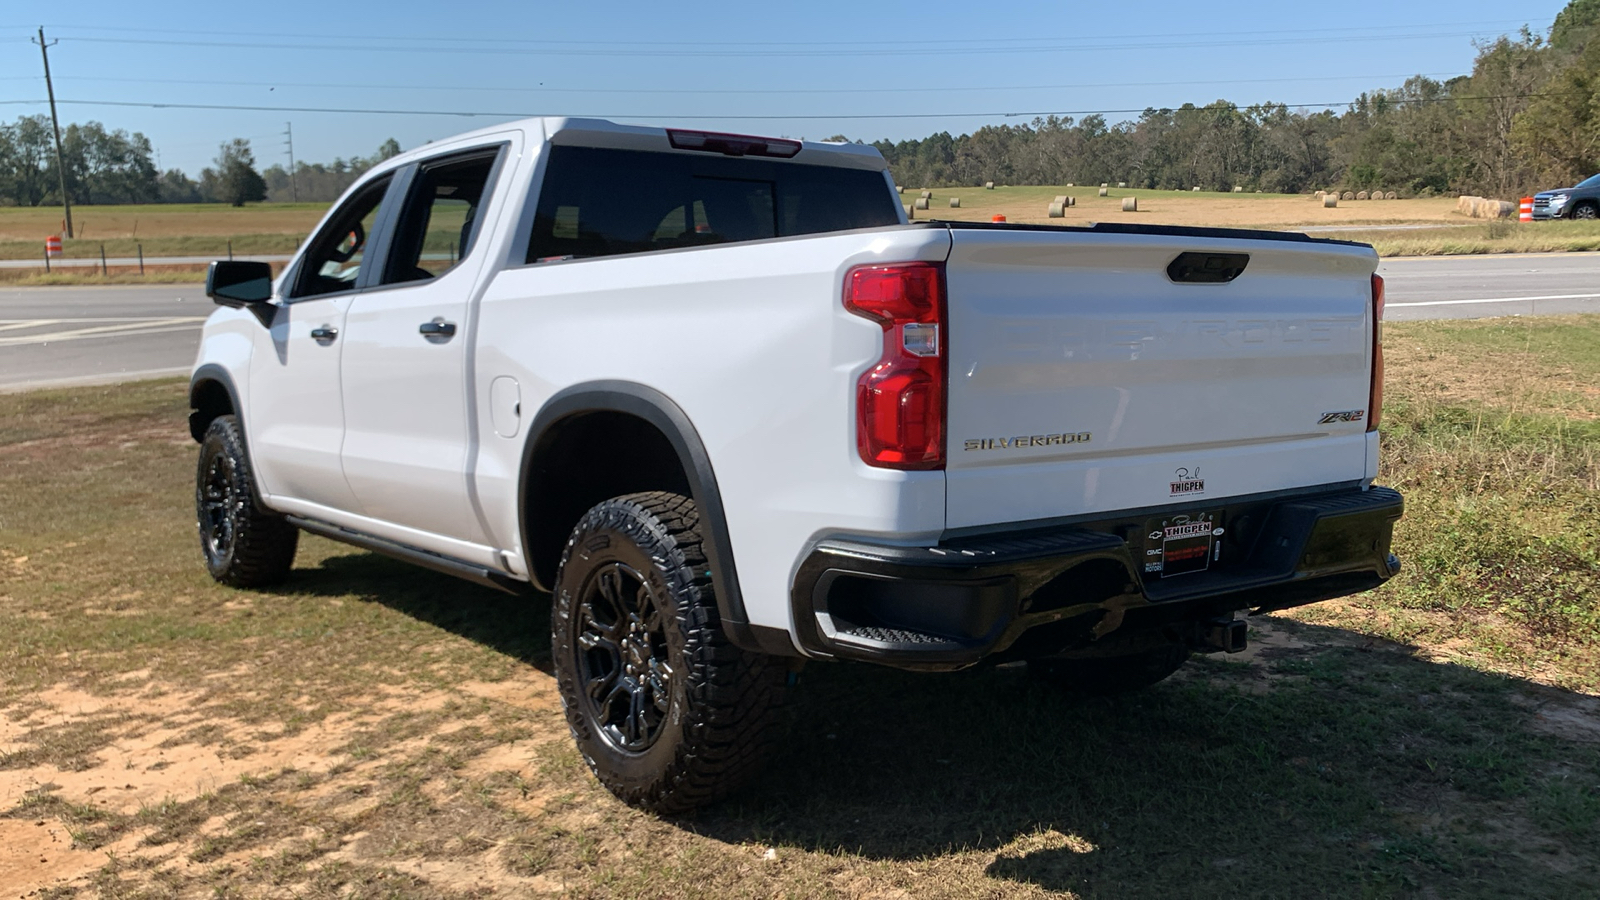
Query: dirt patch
{"points": [[163, 770], [39, 853]]}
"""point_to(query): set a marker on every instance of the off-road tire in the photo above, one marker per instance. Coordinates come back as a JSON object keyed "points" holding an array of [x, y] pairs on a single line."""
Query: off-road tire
{"points": [[721, 702], [1108, 676], [244, 545], [1586, 210]]}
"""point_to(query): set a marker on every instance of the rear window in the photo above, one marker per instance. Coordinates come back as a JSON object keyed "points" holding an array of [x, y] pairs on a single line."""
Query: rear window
{"points": [[602, 202]]}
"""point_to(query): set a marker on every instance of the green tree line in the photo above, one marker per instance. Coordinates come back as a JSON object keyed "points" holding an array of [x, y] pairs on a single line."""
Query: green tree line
{"points": [[113, 166], [1527, 118]]}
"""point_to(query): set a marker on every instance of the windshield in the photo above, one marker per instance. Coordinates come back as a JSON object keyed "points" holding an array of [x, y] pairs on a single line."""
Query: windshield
{"points": [[1591, 181]]}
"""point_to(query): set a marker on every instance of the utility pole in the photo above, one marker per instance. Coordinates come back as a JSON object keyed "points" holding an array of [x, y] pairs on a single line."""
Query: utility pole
{"points": [[61, 168], [288, 133]]}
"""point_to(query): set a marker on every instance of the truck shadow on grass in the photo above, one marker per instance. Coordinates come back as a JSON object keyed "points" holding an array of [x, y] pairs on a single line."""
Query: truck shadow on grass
{"points": [[516, 626], [1329, 764], [1328, 767]]}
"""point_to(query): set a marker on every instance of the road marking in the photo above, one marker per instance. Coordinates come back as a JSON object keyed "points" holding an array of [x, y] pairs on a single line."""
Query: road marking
{"points": [[1498, 300], [14, 324], [122, 328]]}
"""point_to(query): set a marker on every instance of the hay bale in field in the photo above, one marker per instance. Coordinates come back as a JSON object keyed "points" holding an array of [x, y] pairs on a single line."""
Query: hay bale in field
{"points": [[1130, 204], [1070, 184], [1072, 201], [1122, 184], [988, 185], [1377, 195], [1105, 192], [927, 195], [1391, 195], [1105, 184], [955, 202], [1060, 198], [899, 190], [1465, 204], [1238, 189], [1329, 201], [1197, 188], [922, 203], [1361, 195], [1347, 195], [1057, 210], [910, 211], [1321, 194]]}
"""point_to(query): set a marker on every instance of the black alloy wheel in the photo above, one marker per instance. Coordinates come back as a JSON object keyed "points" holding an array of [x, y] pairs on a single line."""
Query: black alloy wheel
{"points": [[623, 661], [1585, 211], [218, 508], [244, 544]]}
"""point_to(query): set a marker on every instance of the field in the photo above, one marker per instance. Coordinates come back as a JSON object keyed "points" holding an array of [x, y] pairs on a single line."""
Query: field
{"points": [[1031, 204], [278, 228], [373, 730]]}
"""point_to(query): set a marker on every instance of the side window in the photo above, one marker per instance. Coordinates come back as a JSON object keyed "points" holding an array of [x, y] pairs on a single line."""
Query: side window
{"points": [[333, 262], [440, 222], [602, 202]]}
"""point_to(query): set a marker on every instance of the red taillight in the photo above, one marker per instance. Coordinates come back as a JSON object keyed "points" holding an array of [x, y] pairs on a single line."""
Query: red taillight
{"points": [[900, 400], [1375, 399]]}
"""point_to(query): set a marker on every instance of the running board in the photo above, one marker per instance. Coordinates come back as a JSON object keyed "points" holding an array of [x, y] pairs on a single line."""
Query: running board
{"points": [[428, 560]]}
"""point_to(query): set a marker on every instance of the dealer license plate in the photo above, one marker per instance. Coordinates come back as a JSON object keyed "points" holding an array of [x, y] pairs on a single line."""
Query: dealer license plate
{"points": [[1183, 543]]}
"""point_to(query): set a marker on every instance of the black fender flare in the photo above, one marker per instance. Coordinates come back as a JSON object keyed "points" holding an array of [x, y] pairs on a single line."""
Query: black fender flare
{"points": [[209, 372], [659, 410]]}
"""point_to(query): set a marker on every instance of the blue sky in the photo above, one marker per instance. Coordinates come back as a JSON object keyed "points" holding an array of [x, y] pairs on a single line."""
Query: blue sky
{"points": [[809, 69]]}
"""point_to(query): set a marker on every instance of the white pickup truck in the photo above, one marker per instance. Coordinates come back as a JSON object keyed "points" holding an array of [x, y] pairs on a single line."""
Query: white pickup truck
{"points": [[723, 401]]}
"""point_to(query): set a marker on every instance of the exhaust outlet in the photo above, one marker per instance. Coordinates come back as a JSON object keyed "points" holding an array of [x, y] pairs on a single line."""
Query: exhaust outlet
{"points": [[1228, 635]]}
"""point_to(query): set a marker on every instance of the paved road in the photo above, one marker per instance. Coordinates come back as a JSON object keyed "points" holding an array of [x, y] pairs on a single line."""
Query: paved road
{"points": [[1472, 287], [103, 334], [65, 335]]}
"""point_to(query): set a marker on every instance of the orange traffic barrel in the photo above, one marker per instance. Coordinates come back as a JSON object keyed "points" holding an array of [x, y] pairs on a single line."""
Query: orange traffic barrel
{"points": [[1526, 215], [52, 245], [998, 218]]}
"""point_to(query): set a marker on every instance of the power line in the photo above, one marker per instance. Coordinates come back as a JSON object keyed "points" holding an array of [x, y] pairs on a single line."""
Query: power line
{"points": [[658, 51], [678, 91], [966, 40], [524, 114]]}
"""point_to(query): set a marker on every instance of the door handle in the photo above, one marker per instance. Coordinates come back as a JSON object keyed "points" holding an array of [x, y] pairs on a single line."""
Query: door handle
{"points": [[324, 334], [437, 328]]}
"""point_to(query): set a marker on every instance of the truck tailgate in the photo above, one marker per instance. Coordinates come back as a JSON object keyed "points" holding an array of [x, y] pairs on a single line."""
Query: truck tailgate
{"points": [[1085, 379]]}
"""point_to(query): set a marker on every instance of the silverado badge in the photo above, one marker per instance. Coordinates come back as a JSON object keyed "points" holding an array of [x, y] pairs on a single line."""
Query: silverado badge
{"points": [[1028, 440]]}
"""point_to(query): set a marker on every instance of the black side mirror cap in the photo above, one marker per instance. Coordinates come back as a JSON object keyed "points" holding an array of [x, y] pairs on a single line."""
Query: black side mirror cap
{"points": [[239, 283]]}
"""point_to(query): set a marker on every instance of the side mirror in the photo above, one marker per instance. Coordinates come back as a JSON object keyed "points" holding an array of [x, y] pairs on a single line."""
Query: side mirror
{"points": [[239, 283]]}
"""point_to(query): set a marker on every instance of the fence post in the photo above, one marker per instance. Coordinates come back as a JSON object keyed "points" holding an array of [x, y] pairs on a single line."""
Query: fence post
{"points": [[230, 250], [47, 262], [141, 260], [103, 271]]}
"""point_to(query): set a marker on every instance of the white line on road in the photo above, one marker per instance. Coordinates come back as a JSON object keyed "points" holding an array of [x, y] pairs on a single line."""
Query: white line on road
{"points": [[1498, 300], [23, 323], [142, 327]]}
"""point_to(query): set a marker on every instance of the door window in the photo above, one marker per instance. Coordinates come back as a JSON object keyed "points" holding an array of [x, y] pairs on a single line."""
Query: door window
{"points": [[333, 262], [441, 220]]}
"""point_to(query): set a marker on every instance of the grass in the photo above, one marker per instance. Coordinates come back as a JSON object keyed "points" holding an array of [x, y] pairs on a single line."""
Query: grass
{"points": [[278, 228], [370, 729], [1491, 237]]}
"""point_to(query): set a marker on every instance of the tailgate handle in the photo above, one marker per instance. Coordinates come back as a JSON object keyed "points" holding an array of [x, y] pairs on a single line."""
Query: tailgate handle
{"points": [[1197, 267]]}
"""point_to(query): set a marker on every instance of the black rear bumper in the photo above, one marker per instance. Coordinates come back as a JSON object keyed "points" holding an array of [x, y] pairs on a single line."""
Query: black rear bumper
{"points": [[1040, 592]]}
